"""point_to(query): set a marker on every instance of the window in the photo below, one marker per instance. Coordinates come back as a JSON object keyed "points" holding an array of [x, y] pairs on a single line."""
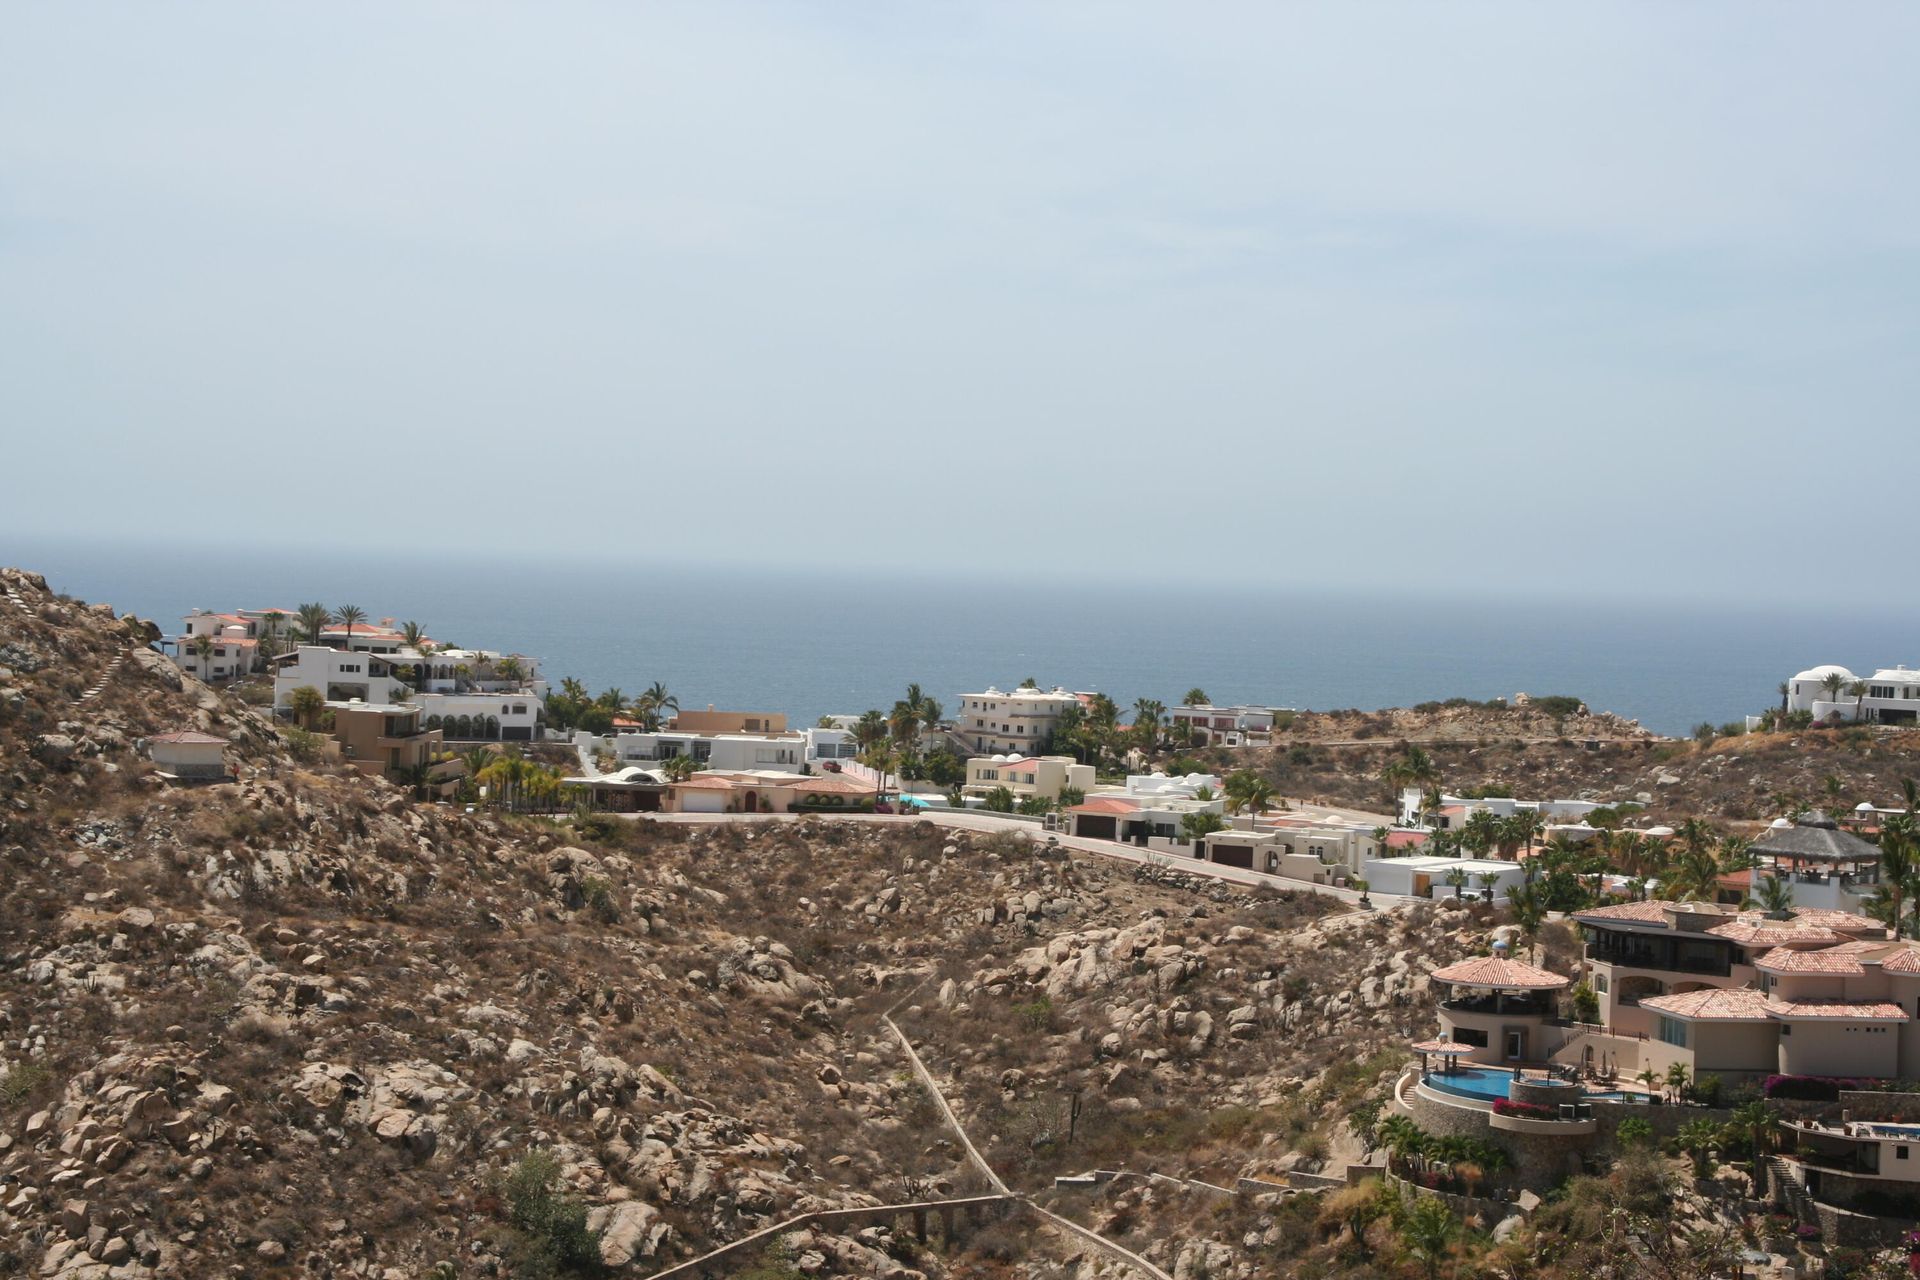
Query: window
{"points": [[1899, 1153], [1467, 1035], [1600, 984], [1673, 1031]]}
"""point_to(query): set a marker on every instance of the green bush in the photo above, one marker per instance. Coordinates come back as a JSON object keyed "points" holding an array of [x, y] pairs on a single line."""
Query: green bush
{"points": [[18, 1084], [551, 1236]]}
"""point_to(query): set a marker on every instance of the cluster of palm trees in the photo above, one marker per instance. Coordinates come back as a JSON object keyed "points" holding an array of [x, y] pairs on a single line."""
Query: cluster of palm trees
{"points": [[892, 742], [514, 782], [1466, 1161], [575, 706]]}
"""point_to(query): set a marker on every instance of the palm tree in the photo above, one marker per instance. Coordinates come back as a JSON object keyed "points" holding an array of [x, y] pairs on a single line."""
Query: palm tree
{"points": [[1196, 697], [1676, 1078], [1833, 682], [573, 689], [203, 649], [272, 628], [1899, 866], [661, 701], [1147, 714], [1757, 1123], [1248, 792], [414, 636], [1858, 692], [869, 729], [903, 725], [306, 703], [612, 699], [349, 616], [1457, 878], [677, 767], [1776, 897], [313, 622], [511, 670]]}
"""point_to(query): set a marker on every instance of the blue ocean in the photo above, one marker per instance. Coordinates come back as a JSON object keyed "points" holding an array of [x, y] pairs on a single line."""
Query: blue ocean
{"points": [[808, 643]]}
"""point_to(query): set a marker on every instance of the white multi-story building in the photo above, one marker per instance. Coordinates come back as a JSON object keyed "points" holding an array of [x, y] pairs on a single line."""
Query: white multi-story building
{"points": [[784, 750], [232, 641], [1019, 722], [1890, 695], [1226, 726], [343, 675]]}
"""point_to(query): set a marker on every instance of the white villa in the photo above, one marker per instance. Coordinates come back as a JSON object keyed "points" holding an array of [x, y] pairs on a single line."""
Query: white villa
{"points": [[1455, 810], [1146, 812], [782, 749], [1892, 694], [1011, 723], [343, 675], [1226, 726], [1420, 876]]}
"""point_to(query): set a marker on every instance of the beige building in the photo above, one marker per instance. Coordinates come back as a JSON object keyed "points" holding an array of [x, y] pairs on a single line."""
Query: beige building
{"points": [[997, 723], [189, 756], [383, 740], [711, 721], [1043, 776]]}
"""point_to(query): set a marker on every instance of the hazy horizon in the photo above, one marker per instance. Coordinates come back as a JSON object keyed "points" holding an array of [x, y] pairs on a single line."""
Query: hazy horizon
{"points": [[1487, 298]]}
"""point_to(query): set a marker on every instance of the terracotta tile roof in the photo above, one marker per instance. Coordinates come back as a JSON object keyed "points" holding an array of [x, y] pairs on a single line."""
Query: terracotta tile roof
{"points": [[1787, 960], [1770, 933], [1871, 1010], [1906, 962], [1406, 839], [1845, 921], [1497, 973], [1105, 804], [1639, 912], [708, 784], [1714, 1004], [834, 786]]}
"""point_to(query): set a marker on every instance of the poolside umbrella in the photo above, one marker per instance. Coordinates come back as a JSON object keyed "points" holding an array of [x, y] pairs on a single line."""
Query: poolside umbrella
{"points": [[1445, 1049]]}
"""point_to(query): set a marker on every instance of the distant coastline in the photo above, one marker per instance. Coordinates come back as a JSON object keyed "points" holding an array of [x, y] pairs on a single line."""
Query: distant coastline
{"points": [[809, 645]]}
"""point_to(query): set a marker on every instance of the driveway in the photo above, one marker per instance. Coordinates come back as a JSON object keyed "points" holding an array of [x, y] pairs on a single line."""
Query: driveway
{"points": [[991, 824]]}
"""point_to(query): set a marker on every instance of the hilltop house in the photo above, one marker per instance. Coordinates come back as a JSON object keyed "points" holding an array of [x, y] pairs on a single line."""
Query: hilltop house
{"points": [[1225, 726], [473, 713], [1891, 695]]}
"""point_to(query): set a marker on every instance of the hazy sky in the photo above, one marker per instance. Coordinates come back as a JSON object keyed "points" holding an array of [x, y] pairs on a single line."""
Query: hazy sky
{"points": [[1589, 297]]}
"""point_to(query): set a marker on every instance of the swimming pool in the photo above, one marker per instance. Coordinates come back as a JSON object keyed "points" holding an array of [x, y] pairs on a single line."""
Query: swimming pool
{"points": [[1894, 1130], [1496, 1082], [1472, 1082]]}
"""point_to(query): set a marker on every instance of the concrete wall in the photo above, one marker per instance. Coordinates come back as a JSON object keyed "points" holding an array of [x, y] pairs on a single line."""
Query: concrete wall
{"points": [[1811, 1048]]}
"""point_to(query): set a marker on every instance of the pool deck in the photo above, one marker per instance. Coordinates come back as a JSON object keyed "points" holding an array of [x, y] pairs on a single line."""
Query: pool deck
{"points": [[1627, 1090]]}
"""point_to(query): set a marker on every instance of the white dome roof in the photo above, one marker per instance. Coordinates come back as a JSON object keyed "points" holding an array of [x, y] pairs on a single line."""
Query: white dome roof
{"points": [[1822, 672]]}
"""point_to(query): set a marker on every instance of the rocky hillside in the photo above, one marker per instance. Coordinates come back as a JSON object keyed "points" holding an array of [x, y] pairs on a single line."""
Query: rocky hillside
{"points": [[295, 1024], [1743, 778]]}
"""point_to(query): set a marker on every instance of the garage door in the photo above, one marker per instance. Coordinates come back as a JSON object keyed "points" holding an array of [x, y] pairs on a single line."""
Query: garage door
{"points": [[703, 801], [1095, 825], [1231, 855]]}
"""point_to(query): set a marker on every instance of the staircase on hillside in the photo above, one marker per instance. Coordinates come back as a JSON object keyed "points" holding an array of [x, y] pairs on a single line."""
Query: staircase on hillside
{"points": [[94, 690], [1788, 1192]]}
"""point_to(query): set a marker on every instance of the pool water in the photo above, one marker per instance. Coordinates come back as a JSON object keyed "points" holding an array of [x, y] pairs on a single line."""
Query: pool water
{"points": [[1493, 1082], [1472, 1082]]}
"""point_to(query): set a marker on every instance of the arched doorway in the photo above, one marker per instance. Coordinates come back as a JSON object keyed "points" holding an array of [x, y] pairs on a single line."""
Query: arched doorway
{"points": [[750, 804]]}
